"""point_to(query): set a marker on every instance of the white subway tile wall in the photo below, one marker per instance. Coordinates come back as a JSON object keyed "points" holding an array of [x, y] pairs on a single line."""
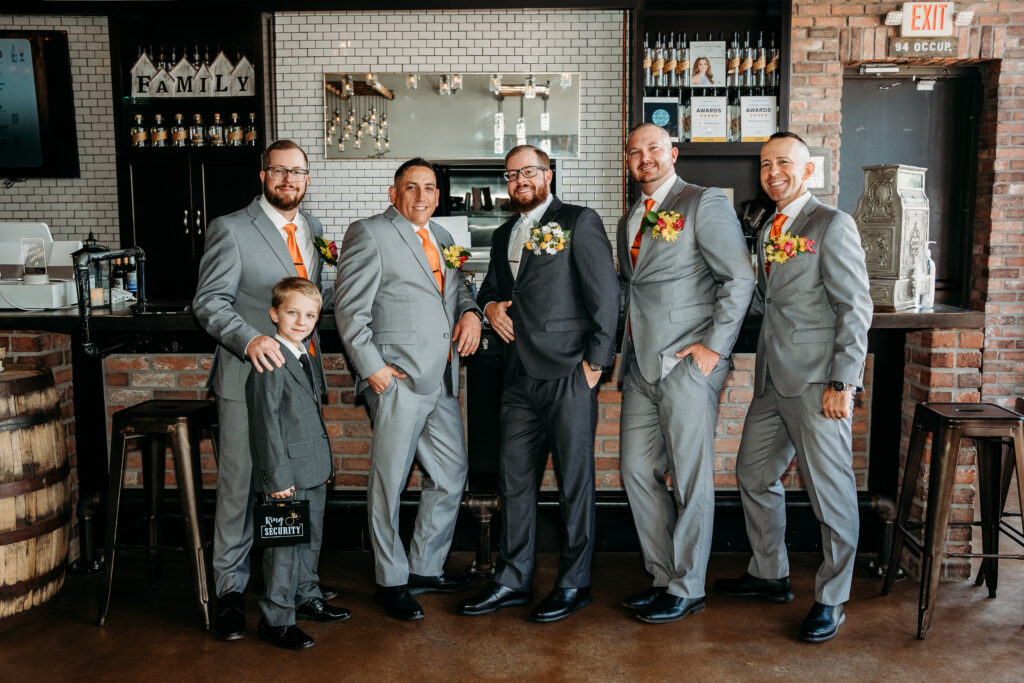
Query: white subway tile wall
{"points": [[589, 42], [74, 206]]}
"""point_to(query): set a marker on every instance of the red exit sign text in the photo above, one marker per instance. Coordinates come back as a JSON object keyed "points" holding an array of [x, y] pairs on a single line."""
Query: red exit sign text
{"points": [[927, 19]]}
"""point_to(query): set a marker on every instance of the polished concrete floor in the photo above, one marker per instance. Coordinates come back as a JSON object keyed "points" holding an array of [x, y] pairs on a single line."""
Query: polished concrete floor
{"points": [[152, 634]]}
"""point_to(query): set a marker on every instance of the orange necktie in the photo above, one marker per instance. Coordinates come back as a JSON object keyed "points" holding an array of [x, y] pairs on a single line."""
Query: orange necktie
{"points": [[773, 233], [293, 250], [300, 267], [634, 251], [433, 258]]}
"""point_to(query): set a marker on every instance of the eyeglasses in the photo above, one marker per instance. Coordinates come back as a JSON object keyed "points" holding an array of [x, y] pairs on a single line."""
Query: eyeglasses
{"points": [[525, 171], [276, 172]]}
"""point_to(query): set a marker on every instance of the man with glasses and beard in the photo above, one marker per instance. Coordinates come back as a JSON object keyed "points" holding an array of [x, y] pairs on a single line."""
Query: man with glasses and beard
{"points": [[247, 252], [552, 295]]}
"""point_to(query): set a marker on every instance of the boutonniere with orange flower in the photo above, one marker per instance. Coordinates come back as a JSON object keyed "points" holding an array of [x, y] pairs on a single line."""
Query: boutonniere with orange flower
{"points": [[455, 256], [785, 246], [549, 238], [665, 225], [328, 250]]}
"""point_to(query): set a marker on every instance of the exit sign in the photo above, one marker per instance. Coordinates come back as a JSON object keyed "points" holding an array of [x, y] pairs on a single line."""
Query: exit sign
{"points": [[927, 19]]}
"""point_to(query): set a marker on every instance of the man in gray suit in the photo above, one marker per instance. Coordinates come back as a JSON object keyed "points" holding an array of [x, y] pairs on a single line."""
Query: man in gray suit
{"points": [[686, 294], [405, 315], [810, 358], [247, 252]]}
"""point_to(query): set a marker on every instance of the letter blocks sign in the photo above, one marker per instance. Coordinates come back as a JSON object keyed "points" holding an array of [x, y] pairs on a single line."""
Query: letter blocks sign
{"points": [[218, 79]]}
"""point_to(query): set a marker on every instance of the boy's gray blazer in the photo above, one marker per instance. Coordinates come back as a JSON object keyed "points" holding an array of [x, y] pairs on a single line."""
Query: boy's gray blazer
{"points": [[817, 307], [288, 437], [693, 290], [388, 308], [245, 257]]}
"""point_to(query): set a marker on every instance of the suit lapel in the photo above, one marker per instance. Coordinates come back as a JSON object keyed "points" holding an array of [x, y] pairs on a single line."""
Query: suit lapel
{"points": [[626, 240], [668, 205], [501, 239], [795, 228], [444, 240], [315, 230], [295, 368], [548, 216], [272, 235], [408, 235]]}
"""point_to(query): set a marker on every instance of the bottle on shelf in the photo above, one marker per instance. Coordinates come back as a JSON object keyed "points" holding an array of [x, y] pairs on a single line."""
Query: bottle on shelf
{"points": [[683, 69], [215, 132], [161, 64], [179, 134], [196, 132], [747, 65], [759, 66], [251, 134], [157, 133], [234, 134], [140, 137], [771, 68], [648, 64], [131, 276], [117, 275], [732, 86], [671, 62], [659, 65]]}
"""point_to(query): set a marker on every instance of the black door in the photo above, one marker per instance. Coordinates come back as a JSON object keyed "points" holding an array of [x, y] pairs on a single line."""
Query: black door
{"points": [[890, 120], [222, 183]]}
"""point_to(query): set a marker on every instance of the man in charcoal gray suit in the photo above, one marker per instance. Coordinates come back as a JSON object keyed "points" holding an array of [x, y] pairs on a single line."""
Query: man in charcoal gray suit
{"points": [[405, 316], [810, 358], [555, 304], [247, 252], [686, 297]]}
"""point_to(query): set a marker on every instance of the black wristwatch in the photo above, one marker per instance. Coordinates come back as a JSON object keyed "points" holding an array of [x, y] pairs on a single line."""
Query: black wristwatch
{"points": [[595, 367], [839, 386], [478, 314]]}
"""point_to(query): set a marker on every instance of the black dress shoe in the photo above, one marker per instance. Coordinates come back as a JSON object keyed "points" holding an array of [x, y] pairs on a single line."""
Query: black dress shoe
{"points": [[398, 603], [493, 597], [329, 592], [317, 609], [287, 637], [638, 601], [560, 603], [822, 623], [229, 623], [667, 608], [446, 583], [747, 586]]}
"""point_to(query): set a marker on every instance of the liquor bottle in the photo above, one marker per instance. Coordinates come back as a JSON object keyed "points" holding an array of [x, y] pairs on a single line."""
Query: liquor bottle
{"points": [[671, 62], [250, 131], [131, 276], [158, 134], [215, 131], [161, 63], [648, 64], [196, 132], [732, 86], [759, 65], [771, 68], [174, 58], [746, 65], [117, 275], [195, 56], [683, 69], [234, 136], [179, 134], [140, 138], [659, 64]]}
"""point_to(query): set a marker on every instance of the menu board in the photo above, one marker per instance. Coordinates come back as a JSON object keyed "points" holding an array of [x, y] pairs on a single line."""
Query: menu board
{"points": [[20, 140]]}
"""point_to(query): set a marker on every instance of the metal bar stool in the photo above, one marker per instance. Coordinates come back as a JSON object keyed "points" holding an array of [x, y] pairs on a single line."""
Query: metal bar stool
{"points": [[992, 427], [185, 422]]}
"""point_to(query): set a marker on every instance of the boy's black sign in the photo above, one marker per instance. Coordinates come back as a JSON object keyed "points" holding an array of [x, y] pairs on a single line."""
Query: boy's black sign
{"points": [[280, 523]]}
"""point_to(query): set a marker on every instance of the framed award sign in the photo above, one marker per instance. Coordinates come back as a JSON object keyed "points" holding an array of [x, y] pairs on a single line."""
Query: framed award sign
{"points": [[664, 112]]}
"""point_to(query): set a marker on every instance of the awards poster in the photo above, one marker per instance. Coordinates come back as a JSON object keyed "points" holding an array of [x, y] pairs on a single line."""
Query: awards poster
{"points": [[707, 64], [708, 119], [757, 118], [20, 143]]}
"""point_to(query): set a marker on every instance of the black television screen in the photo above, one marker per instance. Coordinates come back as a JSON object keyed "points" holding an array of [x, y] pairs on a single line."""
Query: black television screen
{"points": [[37, 109]]}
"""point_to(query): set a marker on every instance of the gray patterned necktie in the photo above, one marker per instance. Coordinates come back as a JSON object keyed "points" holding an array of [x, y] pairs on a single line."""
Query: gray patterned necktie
{"points": [[515, 251]]}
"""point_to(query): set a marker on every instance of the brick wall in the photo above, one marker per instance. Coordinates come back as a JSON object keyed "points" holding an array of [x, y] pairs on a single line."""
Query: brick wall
{"points": [[48, 351], [74, 206]]}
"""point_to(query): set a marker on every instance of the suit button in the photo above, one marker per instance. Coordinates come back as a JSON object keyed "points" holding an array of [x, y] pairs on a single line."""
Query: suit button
{"points": [[445, 335], [768, 300]]}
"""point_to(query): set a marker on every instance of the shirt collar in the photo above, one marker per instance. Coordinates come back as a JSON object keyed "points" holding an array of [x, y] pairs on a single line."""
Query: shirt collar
{"points": [[795, 206], [275, 216], [659, 195], [296, 351]]}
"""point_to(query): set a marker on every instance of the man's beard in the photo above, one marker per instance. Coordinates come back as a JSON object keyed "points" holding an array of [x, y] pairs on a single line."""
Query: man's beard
{"points": [[279, 202], [540, 195]]}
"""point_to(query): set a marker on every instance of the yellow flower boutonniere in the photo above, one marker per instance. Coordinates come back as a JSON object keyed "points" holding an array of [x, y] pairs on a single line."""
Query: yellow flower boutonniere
{"points": [[328, 250], [549, 238], [784, 247], [665, 225], [455, 256]]}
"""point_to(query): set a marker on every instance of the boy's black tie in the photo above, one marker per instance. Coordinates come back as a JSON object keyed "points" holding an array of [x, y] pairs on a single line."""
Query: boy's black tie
{"points": [[304, 362]]}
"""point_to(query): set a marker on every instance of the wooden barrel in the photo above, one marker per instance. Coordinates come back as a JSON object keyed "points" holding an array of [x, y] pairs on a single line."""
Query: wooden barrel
{"points": [[35, 493]]}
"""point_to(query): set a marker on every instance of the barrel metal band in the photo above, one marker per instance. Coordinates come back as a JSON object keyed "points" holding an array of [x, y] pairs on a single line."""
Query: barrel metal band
{"points": [[25, 587], [41, 481], [35, 530], [51, 414]]}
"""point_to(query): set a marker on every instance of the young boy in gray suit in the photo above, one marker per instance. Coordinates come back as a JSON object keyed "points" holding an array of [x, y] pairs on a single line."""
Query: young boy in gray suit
{"points": [[291, 456]]}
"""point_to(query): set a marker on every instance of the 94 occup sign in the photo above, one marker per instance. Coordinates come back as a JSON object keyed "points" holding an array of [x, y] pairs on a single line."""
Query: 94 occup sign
{"points": [[923, 47]]}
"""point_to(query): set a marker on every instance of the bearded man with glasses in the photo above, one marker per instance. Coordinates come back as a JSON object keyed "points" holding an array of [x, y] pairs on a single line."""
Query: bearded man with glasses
{"points": [[247, 252]]}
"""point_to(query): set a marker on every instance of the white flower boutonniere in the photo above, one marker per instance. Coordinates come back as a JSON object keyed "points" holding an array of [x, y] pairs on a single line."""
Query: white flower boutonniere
{"points": [[549, 238]]}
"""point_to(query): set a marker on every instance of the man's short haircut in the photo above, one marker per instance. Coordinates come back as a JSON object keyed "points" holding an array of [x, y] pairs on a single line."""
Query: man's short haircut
{"points": [[787, 134], [295, 285], [282, 144], [545, 160], [415, 161], [647, 124]]}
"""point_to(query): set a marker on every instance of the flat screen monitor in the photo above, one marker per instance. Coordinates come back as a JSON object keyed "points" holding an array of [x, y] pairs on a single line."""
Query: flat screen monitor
{"points": [[37, 109]]}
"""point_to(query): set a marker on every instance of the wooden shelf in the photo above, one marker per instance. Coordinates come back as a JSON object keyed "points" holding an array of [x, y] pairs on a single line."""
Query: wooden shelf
{"points": [[718, 149]]}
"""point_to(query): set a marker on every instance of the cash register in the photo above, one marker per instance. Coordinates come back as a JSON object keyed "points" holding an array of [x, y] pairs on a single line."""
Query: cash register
{"points": [[36, 272]]}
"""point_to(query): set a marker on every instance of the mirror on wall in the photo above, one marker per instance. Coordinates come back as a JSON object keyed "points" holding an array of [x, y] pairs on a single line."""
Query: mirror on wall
{"points": [[449, 115]]}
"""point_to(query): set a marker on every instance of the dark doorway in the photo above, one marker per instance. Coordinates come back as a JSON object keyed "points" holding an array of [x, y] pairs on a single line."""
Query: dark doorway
{"points": [[891, 119]]}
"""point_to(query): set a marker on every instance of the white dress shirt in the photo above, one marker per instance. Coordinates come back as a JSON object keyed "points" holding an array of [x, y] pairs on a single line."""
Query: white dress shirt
{"points": [[792, 210]]}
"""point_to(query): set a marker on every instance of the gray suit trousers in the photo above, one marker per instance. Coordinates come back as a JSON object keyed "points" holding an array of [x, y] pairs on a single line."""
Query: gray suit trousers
{"points": [[669, 428], [427, 428], [776, 428], [232, 534], [289, 572]]}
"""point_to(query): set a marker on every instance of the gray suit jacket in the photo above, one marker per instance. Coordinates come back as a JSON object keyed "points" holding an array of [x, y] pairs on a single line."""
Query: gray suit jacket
{"points": [[388, 308], [693, 290], [287, 435], [817, 307], [245, 257]]}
